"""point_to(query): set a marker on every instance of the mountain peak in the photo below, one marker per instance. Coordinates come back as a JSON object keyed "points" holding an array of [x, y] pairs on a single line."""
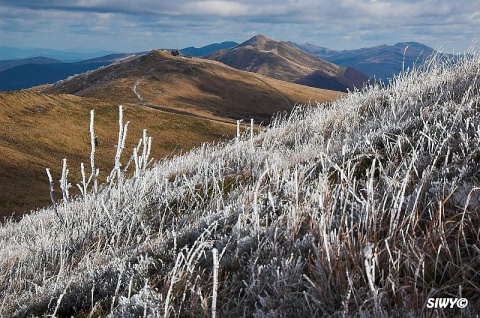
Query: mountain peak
{"points": [[414, 45], [260, 36], [259, 41]]}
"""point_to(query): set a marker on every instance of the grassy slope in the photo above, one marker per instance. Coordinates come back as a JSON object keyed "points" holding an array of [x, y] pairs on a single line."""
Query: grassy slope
{"points": [[37, 131], [367, 207]]}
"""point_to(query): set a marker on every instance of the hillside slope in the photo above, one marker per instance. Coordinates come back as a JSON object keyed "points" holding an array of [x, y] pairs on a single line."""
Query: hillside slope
{"points": [[368, 206], [286, 62], [193, 86]]}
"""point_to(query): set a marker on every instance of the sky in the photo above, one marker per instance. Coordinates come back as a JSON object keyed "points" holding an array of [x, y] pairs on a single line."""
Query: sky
{"points": [[138, 25]]}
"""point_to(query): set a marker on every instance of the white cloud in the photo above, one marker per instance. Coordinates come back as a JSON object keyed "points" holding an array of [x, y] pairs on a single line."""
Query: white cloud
{"points": [[384, 10], [220, 8]]}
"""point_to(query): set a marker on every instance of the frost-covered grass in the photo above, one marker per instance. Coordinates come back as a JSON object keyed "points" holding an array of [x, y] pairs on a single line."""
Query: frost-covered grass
{"points": [[367, 206]]}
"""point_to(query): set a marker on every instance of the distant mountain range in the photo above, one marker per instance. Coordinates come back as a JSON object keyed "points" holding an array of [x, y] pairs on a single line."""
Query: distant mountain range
{"points": [[284, 61], [181, 101], [381, 61], [14, 53], [204, 50], [26, 73]]}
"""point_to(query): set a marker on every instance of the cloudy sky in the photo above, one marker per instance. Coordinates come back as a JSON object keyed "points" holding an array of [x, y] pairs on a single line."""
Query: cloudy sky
{"points": [[136, 25]]}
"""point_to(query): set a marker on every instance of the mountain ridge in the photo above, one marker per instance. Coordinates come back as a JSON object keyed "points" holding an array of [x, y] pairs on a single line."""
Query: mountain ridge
{"points": [[7, 64], [28, 75]]}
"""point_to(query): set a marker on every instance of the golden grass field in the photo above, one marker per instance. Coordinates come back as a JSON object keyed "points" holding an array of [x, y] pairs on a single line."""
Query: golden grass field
{"points": [[38, 130]]}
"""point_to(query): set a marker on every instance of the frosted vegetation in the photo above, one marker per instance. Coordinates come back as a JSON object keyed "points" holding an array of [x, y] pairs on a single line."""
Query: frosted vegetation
{"points": [[367, 206]]}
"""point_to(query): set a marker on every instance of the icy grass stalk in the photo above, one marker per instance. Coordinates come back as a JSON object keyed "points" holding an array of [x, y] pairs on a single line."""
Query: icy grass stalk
{"points": [[51, 186], [215, 282], [93, 139], [83, 185], [64, 185], [185, 266], [122, 135], [142, 161], [59, 300]]}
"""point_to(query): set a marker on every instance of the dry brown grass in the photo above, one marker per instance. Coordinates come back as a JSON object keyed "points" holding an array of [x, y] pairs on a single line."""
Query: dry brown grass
{"points": [[38, 130]]}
